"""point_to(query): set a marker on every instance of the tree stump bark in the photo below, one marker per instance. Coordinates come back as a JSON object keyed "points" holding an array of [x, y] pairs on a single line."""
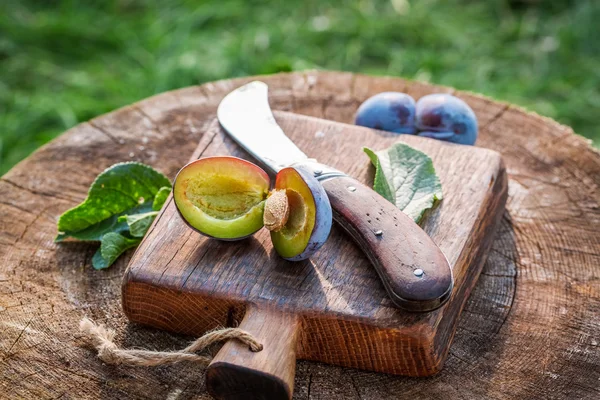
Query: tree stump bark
{"points": [[531, 328]]}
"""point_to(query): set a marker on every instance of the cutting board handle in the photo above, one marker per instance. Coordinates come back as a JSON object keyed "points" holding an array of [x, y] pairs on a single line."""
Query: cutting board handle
{"points": [[238, 373]]}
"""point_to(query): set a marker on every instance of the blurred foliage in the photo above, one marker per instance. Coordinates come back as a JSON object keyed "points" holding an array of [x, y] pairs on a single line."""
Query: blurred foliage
{"points": [[63, 62]]}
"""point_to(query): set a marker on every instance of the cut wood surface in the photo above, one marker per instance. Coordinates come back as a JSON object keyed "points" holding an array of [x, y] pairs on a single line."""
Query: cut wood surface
{"points": [[531, 328], [185, 282]]}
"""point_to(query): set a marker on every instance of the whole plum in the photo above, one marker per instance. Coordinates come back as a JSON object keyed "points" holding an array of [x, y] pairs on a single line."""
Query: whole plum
{"points": [[446, 117], [388, 111]]}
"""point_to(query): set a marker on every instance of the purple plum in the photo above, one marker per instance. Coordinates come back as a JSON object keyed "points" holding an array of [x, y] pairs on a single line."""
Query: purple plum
{"points": [[388, 111], [446, 117]]}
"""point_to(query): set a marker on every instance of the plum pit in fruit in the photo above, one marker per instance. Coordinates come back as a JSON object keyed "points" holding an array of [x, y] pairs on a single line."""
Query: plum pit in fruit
{"points": [[228, 198], [309, 221], [277, 210]]}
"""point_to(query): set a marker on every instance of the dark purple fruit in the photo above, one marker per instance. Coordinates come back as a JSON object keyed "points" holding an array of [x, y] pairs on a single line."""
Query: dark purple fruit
{"points": [[388, 111], [446, 117]]}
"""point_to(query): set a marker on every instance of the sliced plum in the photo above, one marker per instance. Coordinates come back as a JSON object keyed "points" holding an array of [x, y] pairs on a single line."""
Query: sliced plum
{"points": [[305, 222], [228, 198], [222, 197]]}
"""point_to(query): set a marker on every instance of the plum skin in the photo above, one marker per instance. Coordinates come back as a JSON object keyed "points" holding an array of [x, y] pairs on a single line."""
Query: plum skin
{"points": [[323, 216], [446, 117], [388, 111]]}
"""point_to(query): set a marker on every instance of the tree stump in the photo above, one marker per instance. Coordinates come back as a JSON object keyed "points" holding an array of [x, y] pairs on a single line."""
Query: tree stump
{"points": [[531, 328]]}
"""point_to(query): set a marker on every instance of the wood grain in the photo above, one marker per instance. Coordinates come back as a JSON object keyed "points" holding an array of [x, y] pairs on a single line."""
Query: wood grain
{"points": [[529, 329], [236, 373], [338, 287]]}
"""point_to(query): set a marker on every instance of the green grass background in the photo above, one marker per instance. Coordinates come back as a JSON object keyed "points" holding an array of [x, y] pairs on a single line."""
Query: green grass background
{"points": [[63, 62]]}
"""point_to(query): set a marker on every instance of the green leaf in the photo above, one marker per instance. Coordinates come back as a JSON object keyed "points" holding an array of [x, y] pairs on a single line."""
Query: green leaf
{"points": [[117, 189], [380, 184], [161, 197], [139, 223], [112, 246], [118, 210], [406, 177], [112, 224]]}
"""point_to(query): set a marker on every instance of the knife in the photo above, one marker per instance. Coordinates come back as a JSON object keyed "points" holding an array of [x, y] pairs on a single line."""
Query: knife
{"points": [[414, 271]]}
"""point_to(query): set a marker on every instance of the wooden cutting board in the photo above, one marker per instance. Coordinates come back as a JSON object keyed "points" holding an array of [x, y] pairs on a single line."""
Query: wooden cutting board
{"points": [[331, 308]]}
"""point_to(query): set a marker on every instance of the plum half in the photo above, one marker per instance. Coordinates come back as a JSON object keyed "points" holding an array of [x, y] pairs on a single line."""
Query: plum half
{"points": [[228, 198], [222, 197], [305, 213]]}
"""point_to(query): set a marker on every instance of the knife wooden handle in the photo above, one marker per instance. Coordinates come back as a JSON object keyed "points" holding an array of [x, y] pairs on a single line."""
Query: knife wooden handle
{"points": [[414, 271]]}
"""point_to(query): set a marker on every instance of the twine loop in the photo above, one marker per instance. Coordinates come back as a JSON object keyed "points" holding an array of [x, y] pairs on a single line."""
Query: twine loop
{"points": [[102, 339]]}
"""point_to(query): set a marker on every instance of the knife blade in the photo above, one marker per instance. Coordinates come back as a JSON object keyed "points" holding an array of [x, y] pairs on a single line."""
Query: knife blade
{"points": [[412, 268]]}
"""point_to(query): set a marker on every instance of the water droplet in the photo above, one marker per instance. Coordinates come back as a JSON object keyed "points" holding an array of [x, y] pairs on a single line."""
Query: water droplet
{"points": [[352, 189], [378, 232], [419, 272]]}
